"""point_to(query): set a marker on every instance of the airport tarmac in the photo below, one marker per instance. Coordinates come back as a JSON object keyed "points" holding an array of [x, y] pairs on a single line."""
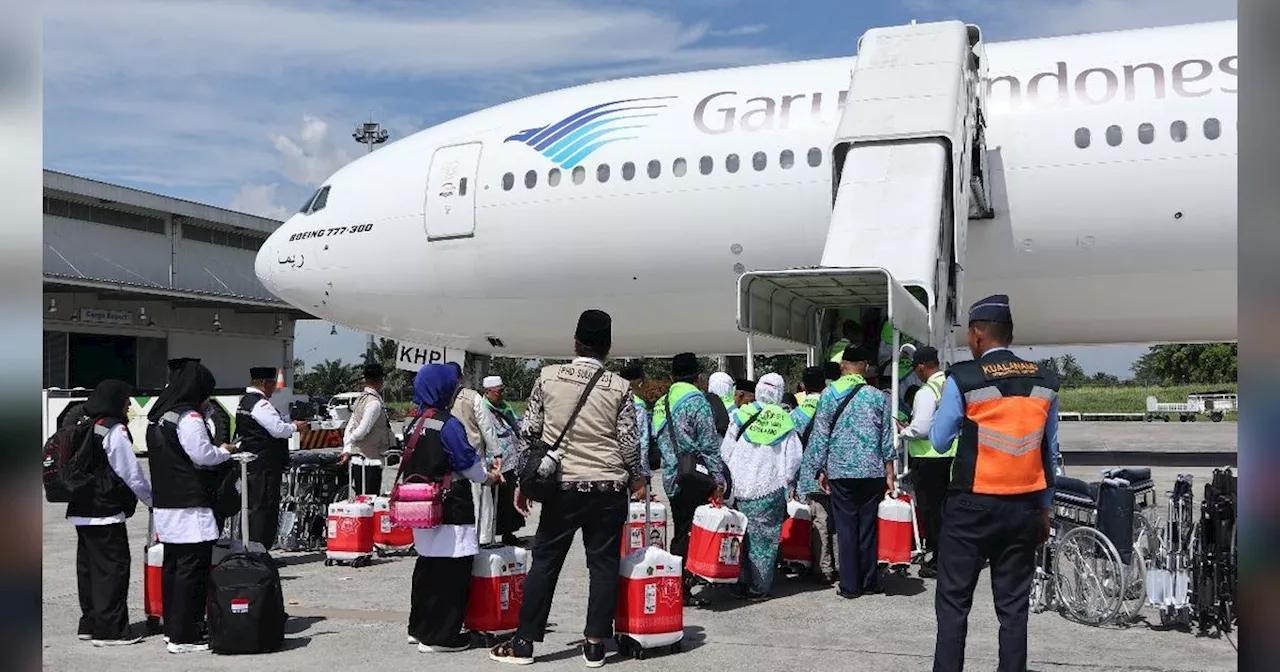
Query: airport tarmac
{"points": [[345, 618]]}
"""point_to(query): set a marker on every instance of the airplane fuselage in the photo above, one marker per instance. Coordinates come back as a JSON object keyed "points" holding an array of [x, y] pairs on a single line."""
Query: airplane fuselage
{"points": [[1113, 177]]}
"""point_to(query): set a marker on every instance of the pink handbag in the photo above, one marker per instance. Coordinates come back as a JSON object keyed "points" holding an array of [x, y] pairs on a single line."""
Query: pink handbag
{"points": [[416, 502]]}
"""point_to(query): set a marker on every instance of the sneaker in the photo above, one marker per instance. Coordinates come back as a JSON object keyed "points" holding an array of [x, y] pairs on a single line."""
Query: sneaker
{"points": [[516, 651], [928, 572], [186, 648], [412, 640], [460, 642], [84, 637], [122, 641], [593, 654]]}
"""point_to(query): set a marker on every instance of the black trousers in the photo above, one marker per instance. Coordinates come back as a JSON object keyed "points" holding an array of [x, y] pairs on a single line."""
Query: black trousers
{"points": [[438, 600], [600, 516], [509, 519], [367, 479], [1006, 532], [184, 582], [856, 502], [932, 477], [264, 504], [683, 506], [102, 576]]}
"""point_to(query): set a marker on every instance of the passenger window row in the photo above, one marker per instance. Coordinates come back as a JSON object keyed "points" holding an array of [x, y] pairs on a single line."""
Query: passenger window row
{"points": [[1114, 135], [679, 168]]}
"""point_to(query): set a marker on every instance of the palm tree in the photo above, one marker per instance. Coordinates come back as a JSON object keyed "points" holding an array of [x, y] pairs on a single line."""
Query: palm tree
{"points": [[396, 382], [331, 377]]}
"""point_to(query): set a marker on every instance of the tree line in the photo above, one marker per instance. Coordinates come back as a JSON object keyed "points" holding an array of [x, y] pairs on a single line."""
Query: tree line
{"points": [[1162, 365]]}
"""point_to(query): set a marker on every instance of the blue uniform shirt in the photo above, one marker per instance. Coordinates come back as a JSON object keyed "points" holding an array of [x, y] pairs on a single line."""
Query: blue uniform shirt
{"points": [[950, 413]]}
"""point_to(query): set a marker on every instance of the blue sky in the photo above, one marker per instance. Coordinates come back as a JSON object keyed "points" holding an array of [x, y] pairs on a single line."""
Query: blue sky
{"points": [[250, 104]]}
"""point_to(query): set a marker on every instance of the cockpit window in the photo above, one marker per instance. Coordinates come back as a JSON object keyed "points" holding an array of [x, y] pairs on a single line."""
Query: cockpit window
{"points": [[322, 198], [306, 207]]}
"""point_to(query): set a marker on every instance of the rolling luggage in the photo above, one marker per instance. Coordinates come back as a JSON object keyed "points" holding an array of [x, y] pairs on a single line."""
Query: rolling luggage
{"points": [[797, 533], [895, 530], [650, 610], [153, 553], [646, 526], [715, 544], [497, 583], [245, 604], [389, 538], [349, 529]]}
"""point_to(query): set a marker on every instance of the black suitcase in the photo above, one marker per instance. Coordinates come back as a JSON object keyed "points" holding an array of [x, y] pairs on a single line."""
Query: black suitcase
{"points": [[245, 603]]}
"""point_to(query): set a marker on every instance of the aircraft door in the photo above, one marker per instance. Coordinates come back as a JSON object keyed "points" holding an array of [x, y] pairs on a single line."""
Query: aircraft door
{"points": [[450, 210]]}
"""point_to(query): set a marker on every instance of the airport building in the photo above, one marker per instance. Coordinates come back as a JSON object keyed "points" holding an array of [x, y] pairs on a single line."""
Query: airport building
{"points": [[132, 278]]}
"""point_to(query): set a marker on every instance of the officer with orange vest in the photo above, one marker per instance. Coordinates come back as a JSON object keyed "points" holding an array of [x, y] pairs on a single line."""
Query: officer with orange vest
{"points": [[1004, 411]]}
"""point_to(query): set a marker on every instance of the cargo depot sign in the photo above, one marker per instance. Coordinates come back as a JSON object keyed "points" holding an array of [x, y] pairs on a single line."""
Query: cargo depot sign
{"points": [[413, 356]]}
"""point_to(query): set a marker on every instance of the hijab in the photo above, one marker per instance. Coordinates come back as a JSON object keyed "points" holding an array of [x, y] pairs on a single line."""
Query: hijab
{"points": [[770, 388], [189, 387], [109, 400], [434, 385], [720, 384]]}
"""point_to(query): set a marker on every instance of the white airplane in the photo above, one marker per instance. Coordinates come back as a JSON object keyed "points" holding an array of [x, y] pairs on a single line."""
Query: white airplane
{"points": [[1112, 174]]}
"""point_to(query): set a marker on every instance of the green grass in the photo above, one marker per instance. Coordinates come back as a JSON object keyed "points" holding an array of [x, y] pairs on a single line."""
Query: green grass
{"points": [[1127, 399], [1070, 400]]}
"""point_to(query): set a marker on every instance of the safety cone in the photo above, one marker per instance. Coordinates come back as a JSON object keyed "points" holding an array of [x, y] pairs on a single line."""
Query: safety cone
{"points": [[279, 378]]}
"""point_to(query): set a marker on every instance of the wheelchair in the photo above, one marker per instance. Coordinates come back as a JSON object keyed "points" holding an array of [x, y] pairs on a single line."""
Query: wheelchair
{"points": [[1093, 567], [1193, 576]]}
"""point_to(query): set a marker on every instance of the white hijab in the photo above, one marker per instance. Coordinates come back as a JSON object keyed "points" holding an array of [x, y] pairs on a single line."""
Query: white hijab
{"points": [[770, 388], [720, 384]]}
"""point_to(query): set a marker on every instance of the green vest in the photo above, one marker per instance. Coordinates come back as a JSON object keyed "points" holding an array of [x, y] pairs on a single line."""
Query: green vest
{"points": [[924, 447], [505, 410], [846, 382], [836, 353], [810, 405], [772, 426], [728, 401], [886, 337], [678, 393]]}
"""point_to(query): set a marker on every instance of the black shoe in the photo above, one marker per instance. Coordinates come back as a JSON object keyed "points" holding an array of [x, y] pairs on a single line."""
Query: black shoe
{"points": [[874, 590], [695, 601], [848, 596], [516, 651], [460, 642], [593, 654], [928, 572]]}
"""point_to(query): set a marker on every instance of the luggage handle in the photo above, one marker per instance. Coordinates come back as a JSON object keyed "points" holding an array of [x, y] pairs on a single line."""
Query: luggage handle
{"points": [[244, 459]]}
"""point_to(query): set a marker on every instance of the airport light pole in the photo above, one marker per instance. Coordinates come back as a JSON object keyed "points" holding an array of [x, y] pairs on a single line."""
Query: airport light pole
{"points": [[370, 133]]}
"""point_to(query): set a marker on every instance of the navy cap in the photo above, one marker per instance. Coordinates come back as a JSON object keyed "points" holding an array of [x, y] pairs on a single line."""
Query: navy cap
{"points": [[994, 308], [925, 355], [262, 373]]}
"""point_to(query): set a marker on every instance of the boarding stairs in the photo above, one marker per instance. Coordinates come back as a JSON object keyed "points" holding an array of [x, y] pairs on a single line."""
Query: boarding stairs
{"points": [[909, 166]]}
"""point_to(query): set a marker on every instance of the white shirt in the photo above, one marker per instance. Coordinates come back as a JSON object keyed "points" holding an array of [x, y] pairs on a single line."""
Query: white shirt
{"points": [[269, 417], [922, 409], [760, 470], [372, 414], [484, 420], [120, 456], [195, 524], [452, 541]]}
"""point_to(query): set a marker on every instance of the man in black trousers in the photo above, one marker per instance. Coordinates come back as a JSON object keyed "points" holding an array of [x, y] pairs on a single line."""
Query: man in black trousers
{"points": [[261, 431]]}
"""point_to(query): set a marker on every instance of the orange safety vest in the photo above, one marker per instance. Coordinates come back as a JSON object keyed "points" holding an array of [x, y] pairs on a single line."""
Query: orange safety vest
{"points": [[1002, 448]]}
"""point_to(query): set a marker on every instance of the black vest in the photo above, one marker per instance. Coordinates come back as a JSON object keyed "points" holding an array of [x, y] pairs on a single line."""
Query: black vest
{"points": [[272, 453], [176, 481], [430, 459], [109, 495], [1003, 448]]}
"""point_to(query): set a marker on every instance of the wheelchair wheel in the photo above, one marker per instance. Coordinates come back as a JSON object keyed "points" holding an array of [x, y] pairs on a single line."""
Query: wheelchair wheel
{"points": [[1134, 595], [1090, 577]]}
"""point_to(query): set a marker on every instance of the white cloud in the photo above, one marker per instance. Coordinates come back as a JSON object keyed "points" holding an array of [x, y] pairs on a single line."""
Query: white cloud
{"points": [[741, 31], [199, 98], [260, 200], [313, 156], [1013, 19]]}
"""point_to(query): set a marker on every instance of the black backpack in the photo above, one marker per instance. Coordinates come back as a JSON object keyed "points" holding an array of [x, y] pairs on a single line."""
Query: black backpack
{"points": [[68, 462], [718, 412], [246, 605]]}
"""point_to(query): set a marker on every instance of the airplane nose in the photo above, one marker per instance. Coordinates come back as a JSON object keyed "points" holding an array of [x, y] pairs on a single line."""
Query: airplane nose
{"points": [[262, 265]]}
